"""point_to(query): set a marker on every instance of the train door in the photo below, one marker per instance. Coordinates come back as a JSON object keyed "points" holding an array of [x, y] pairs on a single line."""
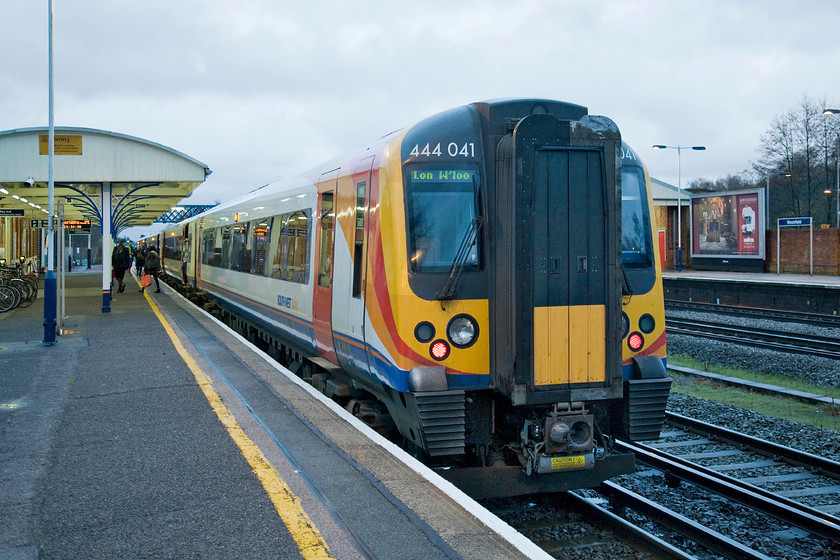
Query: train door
{"points": [[555, 284], [568, 260], [348, 310], [323, 284]]}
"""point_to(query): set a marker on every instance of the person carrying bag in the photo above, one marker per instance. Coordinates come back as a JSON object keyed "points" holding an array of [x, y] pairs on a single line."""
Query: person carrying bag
{"points": [[152, 267]]}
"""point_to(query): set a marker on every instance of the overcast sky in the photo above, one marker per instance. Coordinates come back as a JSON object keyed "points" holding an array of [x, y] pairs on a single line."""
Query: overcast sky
{"points": [[259, 90]]}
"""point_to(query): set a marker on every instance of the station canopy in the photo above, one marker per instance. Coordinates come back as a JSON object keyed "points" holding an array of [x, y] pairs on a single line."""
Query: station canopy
{"points": [[145, 180]]}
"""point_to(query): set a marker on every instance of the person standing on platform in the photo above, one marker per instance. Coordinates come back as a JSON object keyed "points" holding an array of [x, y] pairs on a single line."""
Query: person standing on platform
{"points": [[152, 266], [121, 261]]}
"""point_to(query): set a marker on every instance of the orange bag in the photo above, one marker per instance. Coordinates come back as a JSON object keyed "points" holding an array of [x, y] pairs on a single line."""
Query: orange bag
{"points": [[146, 280]]}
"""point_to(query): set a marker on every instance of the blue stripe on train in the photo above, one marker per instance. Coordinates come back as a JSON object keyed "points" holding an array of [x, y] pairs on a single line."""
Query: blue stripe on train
{"points": [[353, 353]]}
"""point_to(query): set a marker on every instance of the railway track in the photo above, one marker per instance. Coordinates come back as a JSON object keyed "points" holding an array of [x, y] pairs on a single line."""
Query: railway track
{"points": [[796, 489], [816, 319], [570, 525], [770, 339], [700, 491]]}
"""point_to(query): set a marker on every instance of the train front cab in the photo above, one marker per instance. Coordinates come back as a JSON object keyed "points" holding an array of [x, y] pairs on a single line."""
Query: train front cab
{"points": [[554, 297], [646, 382]]}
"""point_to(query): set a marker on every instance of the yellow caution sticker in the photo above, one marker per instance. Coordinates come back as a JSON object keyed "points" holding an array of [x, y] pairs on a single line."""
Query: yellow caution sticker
{"points": [[571, 462]]}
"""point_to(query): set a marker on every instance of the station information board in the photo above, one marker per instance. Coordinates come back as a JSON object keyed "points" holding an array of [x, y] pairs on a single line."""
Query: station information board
{"points": [[77, 226]]}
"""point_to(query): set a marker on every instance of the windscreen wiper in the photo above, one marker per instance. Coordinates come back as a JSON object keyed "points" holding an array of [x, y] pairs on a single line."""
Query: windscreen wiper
{"points": [[626, 288], [467, 243]]}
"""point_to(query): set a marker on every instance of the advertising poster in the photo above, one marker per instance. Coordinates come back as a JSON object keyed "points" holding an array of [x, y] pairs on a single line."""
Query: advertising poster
{"points": [[727, 225], [747, 214]]}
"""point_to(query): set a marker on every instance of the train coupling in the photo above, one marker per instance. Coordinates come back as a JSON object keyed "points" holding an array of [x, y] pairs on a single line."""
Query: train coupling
{"points": [[562, 441]]}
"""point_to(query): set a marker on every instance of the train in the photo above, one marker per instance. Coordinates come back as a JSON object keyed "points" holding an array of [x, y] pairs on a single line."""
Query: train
{"points": [[483, 284]]}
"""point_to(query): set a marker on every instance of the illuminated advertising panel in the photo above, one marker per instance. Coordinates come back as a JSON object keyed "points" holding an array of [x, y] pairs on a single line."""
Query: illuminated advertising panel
{"points": [[728, 225]]}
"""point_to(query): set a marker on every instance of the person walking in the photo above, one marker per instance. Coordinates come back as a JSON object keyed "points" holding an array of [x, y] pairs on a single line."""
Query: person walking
{"points": [[139, 259], [120, 261], [152, 266]]}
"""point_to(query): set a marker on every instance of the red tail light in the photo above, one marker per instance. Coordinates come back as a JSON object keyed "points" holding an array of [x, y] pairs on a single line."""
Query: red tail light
{"points": [[635, 341], [439, 350]]}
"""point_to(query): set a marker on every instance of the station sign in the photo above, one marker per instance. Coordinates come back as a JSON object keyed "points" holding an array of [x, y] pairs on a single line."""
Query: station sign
{"points": [[43, 224], [12, 212], [64, 145], [792, 222]]}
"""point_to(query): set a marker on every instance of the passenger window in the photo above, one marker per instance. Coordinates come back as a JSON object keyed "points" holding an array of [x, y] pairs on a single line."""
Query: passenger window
{"points": [[277, 243], [358, 251], [297, 237], [325, 251], [209, 238], [241, 254], [260, 237], [224, 256]]}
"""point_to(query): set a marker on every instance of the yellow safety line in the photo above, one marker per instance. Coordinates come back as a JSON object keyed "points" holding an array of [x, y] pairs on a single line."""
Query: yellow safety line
{"points": [[309, 540]]}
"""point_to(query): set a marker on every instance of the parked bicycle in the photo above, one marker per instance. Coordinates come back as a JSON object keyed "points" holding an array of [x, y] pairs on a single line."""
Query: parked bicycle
{"points": [[17, 289]]}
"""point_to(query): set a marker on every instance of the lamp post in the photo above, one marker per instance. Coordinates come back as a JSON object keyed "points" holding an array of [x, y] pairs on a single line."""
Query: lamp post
{"points": [[50, 283], [679, 149], [767, 195], [837, 215]]}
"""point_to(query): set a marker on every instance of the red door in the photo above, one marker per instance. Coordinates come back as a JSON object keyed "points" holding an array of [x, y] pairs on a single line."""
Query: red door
{"points": [[662, 258], [322, 291]]}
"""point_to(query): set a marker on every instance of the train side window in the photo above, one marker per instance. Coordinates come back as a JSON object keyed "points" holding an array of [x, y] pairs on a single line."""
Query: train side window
{"points": [[325, 250], [239, 246], [359, 244], [260, 237], [297, 249], [224, 257], [209, 239], [278, 245]]}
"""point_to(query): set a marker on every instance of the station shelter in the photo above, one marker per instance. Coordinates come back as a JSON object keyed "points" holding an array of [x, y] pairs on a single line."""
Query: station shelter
{"points": [[666, 198], [102, 180]]}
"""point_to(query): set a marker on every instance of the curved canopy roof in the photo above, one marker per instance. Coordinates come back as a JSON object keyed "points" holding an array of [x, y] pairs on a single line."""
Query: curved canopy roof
{"points": [[147, 179]]}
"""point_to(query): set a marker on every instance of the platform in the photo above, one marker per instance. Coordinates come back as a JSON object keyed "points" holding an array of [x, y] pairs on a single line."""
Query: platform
{"points": [[791, 292], [795, 279], [153, 431]]}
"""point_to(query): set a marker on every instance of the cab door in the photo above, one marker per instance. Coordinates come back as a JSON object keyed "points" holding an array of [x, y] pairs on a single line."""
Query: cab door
{"points": [[348, 311], [323, 281]]}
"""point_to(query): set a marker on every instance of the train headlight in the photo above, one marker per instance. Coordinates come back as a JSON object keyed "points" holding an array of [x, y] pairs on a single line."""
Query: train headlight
{"points": [[625, 325], [462, 331]]}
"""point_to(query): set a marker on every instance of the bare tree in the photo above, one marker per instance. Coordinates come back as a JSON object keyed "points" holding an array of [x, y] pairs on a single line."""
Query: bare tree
{"points": [[800, 142]]}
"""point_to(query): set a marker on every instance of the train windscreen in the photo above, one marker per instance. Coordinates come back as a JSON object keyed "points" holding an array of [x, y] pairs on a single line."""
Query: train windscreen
{"points": [[635, 219], [441, 213]]}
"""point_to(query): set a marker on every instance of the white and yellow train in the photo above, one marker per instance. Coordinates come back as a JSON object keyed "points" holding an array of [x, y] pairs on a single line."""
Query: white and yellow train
{"points": [[485, 283]]}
